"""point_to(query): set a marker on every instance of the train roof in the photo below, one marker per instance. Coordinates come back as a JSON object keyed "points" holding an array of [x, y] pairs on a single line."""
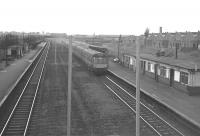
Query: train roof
{"points": [[99, 48], [95, 46], [183, 64], [90, 45], [81, 44], [88, 50]]}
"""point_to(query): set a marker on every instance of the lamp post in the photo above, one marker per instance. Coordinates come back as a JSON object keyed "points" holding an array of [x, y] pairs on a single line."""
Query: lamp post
{"points": [[6, 40], [137, 87], [69, 87], [176, 47], [119, 44]]}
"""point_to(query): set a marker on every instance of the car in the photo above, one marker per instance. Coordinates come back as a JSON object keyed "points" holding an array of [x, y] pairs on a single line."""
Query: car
{"points": [[116, 60]]}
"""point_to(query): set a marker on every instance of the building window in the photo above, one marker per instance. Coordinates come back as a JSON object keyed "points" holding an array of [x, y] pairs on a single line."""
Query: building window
{"points": [[126, 59], [152, 68], [167, 73], [184, 77], [131, 61], [177, 76], [163, 71]]}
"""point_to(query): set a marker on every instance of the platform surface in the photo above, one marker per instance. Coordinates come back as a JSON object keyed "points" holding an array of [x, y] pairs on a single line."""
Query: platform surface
{"points": [[180, 102], [10, 74]]}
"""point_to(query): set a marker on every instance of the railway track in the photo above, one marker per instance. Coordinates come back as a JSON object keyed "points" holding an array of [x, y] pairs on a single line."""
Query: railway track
{"points": [[148, 117], [20, 116]]}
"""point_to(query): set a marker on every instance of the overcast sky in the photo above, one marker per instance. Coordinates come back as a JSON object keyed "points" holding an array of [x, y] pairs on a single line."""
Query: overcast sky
{"points": [[99, 16]]}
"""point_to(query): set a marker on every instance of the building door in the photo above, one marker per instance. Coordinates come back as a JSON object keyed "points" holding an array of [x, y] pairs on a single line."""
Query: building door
{"points": [[142, 66], [156, 72], [171, 77]]}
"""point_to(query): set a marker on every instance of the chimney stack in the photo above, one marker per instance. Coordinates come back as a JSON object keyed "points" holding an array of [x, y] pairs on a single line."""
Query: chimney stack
{"points": [[160, 30]]}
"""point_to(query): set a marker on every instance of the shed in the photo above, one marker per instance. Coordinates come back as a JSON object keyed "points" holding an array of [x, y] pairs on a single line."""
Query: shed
{"points": [[15, 51]]}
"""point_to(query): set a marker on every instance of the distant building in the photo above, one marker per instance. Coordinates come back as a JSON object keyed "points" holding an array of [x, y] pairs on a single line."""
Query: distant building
{"points": [[15, 51], [171, 40]]}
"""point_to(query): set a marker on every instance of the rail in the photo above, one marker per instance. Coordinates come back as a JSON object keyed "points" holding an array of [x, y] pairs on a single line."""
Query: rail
{"points": [[17, 118], [153, 120]]}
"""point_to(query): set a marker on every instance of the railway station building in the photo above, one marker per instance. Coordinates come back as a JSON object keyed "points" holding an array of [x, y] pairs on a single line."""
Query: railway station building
{"points": [[180, 74], [15, 51]]}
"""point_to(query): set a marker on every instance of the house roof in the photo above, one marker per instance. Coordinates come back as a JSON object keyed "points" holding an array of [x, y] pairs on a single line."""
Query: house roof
{"points": [[173, 62], [184, 64]]}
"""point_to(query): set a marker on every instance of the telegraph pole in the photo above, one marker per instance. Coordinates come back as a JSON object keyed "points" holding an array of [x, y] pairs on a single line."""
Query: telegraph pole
{"points": [[176, 50], [6, 40], [176, 46], [23, 43], [93, 38], [137, 87], [119, 44], [69, 87]]}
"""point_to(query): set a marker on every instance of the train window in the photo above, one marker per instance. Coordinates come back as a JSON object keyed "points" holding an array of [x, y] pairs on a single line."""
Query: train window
{"points": [[104, 60], [99, 60], [96, 60]]}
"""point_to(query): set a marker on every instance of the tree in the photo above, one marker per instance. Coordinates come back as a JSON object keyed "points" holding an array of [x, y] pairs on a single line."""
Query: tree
{"points": [[32, 40], [146, 33]]}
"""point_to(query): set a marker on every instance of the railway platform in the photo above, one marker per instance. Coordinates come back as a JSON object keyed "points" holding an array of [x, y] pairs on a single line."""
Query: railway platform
{"points": [[186, 106], [10, 74]]}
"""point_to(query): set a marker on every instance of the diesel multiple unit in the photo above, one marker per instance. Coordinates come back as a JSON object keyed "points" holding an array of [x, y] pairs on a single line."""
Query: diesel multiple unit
{"points": [[95, 61]]}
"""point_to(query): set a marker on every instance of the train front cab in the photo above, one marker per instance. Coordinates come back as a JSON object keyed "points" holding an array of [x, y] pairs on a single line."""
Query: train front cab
{"points": [[100, 64]]}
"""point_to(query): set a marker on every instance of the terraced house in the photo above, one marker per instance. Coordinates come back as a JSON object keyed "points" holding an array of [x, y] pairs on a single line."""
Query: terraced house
{"points": [[174, 40], [169, 58]]}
